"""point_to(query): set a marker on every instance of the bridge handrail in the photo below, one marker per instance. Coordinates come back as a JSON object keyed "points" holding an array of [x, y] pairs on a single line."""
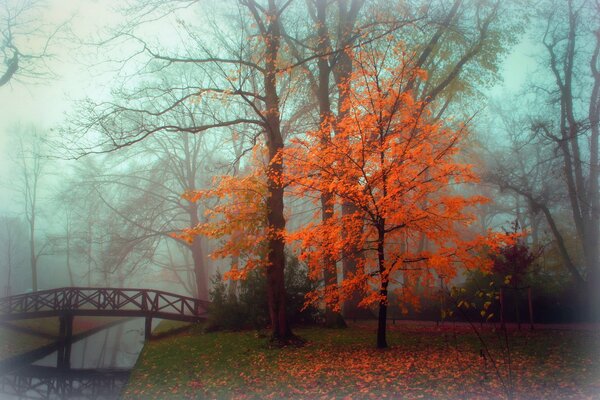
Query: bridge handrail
{"points": [[103, 298]]}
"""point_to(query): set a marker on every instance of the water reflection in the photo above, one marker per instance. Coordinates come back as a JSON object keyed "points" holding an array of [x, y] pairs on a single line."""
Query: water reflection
{"points": [[39, 382], [100, 368]]}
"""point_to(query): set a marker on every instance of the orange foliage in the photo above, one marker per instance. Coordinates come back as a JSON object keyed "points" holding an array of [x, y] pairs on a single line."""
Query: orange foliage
{"points": [[238, 219], [395, 163], [399, 168]]}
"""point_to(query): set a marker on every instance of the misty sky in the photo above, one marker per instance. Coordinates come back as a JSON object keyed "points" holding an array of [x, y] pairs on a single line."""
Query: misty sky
{"points": [[44, 103]]}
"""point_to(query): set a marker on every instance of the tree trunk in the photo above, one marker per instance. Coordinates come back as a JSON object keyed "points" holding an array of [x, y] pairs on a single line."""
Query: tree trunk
{"points": [[276, 295], [350, 258], [343, 73], [32, 256], [333, 319], [349, 261], [383, 291], [197, 255], [562, 248], [199, 272]]}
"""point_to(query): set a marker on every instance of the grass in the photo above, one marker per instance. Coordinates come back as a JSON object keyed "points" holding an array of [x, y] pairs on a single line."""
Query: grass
{"points": [[423, 361]]}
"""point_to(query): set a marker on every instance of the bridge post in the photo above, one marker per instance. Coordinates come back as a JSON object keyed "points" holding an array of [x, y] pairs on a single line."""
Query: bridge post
{"points": [[60, 351], [148, 328], [65, 340]]}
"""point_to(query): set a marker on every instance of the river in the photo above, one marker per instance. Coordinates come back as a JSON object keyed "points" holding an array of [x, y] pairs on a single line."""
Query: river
{"points": [[100, 367]]}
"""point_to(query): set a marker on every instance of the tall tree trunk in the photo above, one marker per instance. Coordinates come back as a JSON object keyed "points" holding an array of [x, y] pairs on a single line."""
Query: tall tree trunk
{"points": [[343, 73], [195, 248], [199, 271], [333, 319], [276, 296], [583, 194]]}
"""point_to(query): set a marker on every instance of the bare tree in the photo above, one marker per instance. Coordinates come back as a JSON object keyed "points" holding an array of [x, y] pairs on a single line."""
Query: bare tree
{"points": [[570, 124], [555, 162], [244, 88], [31, 164], [146, 200], [24, 41], [530, 169], [85, 233]]}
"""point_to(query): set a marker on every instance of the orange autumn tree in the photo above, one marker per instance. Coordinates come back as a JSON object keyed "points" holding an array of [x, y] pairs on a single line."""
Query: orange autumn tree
{"points": [[400, 170], [238, 220]]}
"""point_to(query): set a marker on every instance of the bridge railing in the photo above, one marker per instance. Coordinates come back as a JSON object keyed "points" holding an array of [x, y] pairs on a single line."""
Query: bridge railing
{"points": [[103, 300]]}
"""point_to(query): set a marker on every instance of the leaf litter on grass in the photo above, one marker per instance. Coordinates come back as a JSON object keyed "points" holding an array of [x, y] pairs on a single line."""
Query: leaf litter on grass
{"points": [[421, 363]]}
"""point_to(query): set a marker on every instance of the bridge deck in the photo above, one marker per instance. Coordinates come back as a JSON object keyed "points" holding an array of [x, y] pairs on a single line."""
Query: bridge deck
{"points": [[114, 302]]}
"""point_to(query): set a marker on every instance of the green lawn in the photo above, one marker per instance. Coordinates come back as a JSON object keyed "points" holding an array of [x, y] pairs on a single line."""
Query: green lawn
{"points": [[423, 361]]}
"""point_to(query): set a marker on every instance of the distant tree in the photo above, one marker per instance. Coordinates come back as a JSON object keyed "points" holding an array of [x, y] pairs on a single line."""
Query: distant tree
{"points": [[63, 244], [83, 213], [566, 23], [527, 168], [146, 198], [11, 235], [564, 123], [31, 168]]}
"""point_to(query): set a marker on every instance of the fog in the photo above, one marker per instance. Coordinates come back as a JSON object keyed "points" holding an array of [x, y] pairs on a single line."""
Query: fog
{"points": [[96, 125]]}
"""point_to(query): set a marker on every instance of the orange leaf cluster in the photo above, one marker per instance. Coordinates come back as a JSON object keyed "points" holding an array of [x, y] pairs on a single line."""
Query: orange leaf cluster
{"points": [[399, 169], [394, 163], [238, 219]]}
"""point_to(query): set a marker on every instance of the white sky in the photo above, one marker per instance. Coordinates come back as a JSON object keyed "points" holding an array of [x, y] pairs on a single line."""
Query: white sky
{"points": [[44, 104]]}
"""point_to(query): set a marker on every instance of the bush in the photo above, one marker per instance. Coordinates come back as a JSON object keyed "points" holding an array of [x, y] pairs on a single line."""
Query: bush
{"points": [[248, 308]]}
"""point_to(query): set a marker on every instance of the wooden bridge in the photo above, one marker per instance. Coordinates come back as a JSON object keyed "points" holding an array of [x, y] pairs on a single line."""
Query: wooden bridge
{"points": [[108, 302], [69, 302]]}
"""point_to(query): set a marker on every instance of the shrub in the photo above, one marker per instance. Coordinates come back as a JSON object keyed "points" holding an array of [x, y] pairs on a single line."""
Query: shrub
{"points": [[248, 309]]}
